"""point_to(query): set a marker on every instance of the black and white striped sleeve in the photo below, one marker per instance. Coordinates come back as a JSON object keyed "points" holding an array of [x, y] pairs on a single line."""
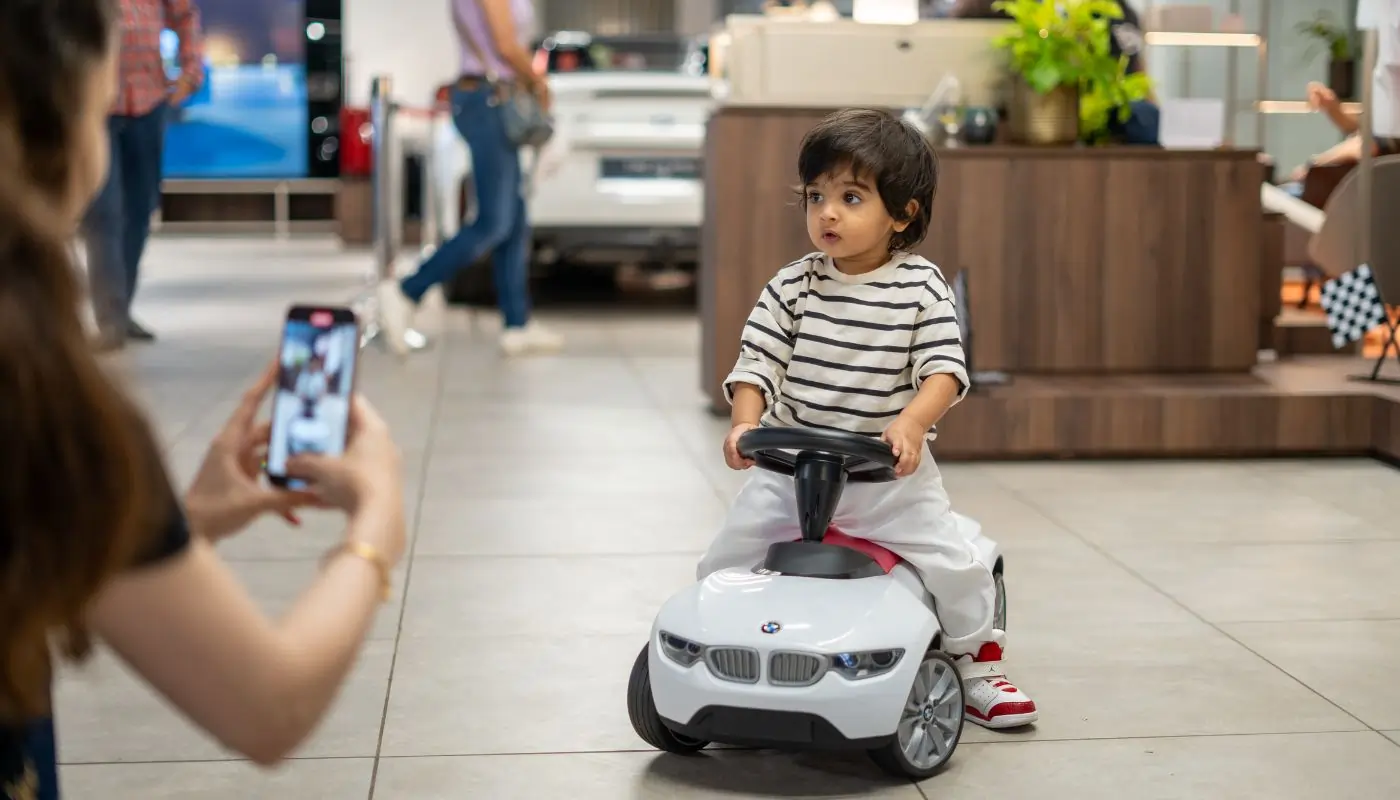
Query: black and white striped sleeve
{"points": [[937, 346], [767, 342]]}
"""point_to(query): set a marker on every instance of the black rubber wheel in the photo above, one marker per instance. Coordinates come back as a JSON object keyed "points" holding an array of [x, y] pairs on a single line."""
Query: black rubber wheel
{"points": [[641, 709], [936, 705]]}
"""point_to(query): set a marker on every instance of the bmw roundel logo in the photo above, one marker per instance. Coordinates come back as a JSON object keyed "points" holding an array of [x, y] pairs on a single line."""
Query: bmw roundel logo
{"points": [[771, 627]]}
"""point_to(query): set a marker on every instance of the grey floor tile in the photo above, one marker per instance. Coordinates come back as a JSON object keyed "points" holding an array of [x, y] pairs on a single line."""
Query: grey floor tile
{"points": [[1276, 582], [474, 695], [1341, 766], [1123, 680], [1350, 663], [583, 474], [1225, 513], [103, 697], [1041, 479], [542, 596], [1068, 585], [547, 524], [326, 779], [733, 775]]}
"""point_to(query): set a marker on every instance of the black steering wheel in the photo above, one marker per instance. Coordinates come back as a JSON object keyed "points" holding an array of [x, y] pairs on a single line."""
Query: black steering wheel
{"points": [[865, 459]]}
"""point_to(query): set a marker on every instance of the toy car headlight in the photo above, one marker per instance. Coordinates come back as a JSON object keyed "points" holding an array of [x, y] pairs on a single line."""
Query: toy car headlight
{"points": [[681, 651], [855, 666]]}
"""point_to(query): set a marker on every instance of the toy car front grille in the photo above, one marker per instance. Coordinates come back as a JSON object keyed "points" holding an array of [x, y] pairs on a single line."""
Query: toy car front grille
{"points": [[738, 664], [795, 669]]}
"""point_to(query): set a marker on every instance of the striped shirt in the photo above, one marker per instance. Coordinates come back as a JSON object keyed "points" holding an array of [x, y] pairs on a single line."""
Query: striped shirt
{"points": [[849, 352], [142, 82]]}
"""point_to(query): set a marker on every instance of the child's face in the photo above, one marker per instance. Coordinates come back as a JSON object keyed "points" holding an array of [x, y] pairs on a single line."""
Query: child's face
{"points": [[847, 220]]}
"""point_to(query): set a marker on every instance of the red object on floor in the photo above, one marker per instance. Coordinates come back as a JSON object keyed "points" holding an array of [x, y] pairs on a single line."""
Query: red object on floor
{"points": [[356, 143]]}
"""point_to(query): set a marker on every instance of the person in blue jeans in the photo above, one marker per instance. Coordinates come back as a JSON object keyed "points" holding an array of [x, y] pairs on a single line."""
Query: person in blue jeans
{"points": [[490, 34], [118, 222]]}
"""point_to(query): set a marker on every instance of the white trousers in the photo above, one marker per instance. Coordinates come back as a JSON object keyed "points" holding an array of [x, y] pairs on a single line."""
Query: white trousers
{"points": [[910, 516]]}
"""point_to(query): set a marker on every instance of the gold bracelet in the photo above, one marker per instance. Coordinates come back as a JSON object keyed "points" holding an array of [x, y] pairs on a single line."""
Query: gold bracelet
{"points": [[369, 553]]}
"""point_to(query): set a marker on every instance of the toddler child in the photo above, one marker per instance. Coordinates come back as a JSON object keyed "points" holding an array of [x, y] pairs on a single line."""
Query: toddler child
{"points": [[862, 336]]}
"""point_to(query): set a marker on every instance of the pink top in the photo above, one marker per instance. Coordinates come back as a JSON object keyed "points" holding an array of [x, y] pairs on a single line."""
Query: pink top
{"points": [[471, 15]]}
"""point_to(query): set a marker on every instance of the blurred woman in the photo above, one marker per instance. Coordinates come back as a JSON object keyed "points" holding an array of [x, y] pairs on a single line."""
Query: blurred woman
{"points": [[495, 59], [93, 540]]}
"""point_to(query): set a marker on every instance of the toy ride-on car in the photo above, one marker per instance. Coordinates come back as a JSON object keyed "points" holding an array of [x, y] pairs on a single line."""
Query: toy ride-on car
{"points": [[831, 643]]}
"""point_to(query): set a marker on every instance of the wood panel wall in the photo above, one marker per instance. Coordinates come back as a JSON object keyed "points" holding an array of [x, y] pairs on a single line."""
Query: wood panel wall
{"points": [[1080, 260]]}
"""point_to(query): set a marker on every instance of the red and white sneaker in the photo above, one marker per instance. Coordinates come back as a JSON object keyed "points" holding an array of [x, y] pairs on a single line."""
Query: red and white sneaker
{"points": [[992, 701]]}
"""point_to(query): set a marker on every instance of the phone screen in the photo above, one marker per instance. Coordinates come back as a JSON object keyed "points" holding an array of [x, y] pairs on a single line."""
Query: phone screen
{"points": [[315, 381]]}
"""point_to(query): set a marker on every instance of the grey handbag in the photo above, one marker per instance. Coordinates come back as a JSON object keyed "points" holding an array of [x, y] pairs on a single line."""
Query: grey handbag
{"points": [[526, 122]]}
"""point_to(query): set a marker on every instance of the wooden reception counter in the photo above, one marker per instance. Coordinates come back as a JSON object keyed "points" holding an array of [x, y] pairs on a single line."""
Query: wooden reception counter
{"points": [[1080, 261]]}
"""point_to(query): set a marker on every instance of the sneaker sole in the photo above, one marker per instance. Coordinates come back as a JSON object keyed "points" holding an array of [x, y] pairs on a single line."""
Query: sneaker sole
{"points": [[1004, 721]]}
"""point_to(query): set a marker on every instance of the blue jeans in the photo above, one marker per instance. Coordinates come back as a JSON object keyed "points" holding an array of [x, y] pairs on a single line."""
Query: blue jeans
{"points": [[501, 228], [118, 222]]}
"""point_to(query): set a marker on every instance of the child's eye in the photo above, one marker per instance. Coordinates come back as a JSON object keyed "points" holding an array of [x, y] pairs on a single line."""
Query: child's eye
{"points": [[852, 197], [814, 197]]}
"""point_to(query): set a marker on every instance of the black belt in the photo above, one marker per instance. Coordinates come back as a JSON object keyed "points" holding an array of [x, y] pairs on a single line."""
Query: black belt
{"points": [[468, 83]]}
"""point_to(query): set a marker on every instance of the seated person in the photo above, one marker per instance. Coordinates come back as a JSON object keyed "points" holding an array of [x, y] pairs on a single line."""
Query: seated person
{"points": [[862, 336], [1125, 38], [1348, 151]]}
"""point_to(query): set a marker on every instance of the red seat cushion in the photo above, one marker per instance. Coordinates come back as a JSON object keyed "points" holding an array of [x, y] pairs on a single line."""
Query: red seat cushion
{"points": [[886, 559]]}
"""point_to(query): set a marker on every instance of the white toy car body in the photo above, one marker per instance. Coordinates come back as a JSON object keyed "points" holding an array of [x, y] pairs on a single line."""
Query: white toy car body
{"points": [[832, 643]]}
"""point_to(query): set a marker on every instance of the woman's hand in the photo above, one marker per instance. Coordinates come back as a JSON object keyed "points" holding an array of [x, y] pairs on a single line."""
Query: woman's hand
{"points": [[539, 87], [366, 480], [906, 439], [228, 493], [1321, 97]]}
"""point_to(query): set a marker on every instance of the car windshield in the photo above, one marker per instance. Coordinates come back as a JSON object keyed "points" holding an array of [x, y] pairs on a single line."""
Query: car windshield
{"points": [[580, 52]]}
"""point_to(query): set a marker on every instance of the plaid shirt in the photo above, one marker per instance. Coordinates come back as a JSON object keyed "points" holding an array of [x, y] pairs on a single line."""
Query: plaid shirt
{"points": [[143, 85]]}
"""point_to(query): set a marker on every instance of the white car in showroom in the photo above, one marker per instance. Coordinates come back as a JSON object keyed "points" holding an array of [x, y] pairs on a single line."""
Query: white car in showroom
{"points": [[621, 185]]}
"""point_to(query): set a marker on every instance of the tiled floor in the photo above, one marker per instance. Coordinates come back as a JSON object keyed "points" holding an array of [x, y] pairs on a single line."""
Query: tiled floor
{"points": [[1200, 630]]}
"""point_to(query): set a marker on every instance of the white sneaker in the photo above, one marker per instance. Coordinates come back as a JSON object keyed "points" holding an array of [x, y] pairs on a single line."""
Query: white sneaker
{"points": [[529, 340], [395, 316]]}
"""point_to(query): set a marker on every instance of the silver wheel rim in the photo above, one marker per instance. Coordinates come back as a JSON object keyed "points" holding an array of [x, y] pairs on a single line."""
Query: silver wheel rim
{"points": [[999, 621], [931, 723]]}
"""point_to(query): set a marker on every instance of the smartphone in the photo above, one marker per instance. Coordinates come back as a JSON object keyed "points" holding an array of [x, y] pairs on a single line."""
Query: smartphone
{"points": [[319, 352]]}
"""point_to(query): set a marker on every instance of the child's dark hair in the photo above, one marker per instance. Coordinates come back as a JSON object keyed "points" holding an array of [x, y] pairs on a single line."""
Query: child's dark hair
{"points": [[879, 145]]}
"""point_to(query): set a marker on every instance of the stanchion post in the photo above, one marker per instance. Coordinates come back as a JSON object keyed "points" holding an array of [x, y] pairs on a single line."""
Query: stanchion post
{"points": [[386, 223], [382, 183]]}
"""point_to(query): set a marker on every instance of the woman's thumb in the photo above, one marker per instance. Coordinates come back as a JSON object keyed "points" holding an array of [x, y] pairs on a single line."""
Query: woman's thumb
{"points": [[308, 467]]}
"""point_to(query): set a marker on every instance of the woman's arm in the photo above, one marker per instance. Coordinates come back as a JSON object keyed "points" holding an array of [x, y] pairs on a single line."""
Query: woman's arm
{"points": [[189, 628]]}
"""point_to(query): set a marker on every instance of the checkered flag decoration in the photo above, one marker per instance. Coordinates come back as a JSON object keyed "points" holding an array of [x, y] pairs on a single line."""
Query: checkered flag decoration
{"points": [[1353, 305]]}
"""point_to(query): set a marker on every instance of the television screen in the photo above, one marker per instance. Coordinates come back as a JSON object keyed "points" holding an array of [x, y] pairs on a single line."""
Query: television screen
{"points": [[249, 120]]}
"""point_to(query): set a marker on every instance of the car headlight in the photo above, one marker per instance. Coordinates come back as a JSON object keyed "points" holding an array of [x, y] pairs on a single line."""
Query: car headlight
{"points": [[681, 651], [868, 664]]}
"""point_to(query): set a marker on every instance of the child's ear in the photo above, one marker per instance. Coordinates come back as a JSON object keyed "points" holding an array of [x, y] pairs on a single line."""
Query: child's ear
{"points": [[909, 212]]}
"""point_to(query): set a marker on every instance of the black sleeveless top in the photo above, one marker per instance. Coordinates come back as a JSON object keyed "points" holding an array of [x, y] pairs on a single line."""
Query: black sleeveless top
{"points": [[28, 752]]}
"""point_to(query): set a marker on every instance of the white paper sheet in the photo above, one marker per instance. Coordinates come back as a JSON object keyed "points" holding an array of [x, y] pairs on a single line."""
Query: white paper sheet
{"points": [[1192, 123]]}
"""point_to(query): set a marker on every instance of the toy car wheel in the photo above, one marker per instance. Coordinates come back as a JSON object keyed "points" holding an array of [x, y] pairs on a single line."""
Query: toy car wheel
{"points": [[641, 708], [931, 725], [999, 616]]}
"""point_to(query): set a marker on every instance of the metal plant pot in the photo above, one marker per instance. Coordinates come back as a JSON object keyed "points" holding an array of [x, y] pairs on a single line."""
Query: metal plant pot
{"points": [[1043, 119]]}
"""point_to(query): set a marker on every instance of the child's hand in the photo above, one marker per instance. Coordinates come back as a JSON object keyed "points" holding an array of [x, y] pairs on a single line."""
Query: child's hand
{"points": [[907, 441], [731, 447]]}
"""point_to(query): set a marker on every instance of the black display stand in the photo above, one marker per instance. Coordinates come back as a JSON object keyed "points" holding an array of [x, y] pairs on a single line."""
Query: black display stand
{"points": [[963, 307]]}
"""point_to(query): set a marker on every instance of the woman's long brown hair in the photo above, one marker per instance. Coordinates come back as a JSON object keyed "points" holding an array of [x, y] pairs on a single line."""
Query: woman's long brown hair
{"points": [[79, 496]]}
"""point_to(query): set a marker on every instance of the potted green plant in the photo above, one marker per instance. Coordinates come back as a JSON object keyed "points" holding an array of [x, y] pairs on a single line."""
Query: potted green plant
{"points": [[1336, 39], [1066, 83]]}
